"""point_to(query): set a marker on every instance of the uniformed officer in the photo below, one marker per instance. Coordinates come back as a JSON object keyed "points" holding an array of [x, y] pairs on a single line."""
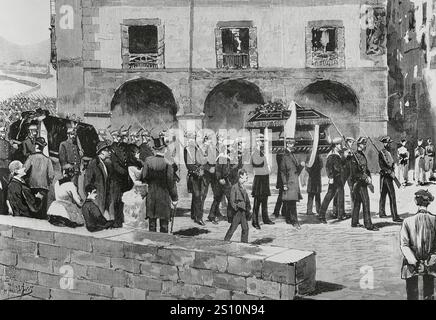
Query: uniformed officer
{"points": [[5, 158], [69, 153], [334, 168], [120, 181], [145, 148], [387, 174], [162, 191], [361, 179]]}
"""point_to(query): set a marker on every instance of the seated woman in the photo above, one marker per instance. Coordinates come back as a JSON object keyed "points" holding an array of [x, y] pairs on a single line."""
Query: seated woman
{"points": [[134, 202], [65, 211]]}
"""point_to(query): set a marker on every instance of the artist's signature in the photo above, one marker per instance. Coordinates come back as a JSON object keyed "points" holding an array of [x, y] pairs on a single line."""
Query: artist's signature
{"points": [[13, 289]]}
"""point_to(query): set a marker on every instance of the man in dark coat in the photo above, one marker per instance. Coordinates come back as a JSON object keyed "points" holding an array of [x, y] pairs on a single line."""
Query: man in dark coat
{"points": [[387, 173], [162, 195], [120, 181], [5, 157], [314, 185], [21, 198], [41, 172], [97, 174], [361, 179], [334, 168], [28, 145], [70, 153], [279, 186], [290, 171], [145, 149], [94, 219], [418, 245]]}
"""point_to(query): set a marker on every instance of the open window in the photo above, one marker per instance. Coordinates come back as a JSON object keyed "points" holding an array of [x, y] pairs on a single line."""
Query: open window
{"points": [[236, 45], [143, 44]]}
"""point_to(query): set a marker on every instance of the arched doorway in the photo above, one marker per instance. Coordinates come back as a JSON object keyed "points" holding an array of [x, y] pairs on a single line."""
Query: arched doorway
{"points": [[146, 103], [335, 100], [227, 106]]}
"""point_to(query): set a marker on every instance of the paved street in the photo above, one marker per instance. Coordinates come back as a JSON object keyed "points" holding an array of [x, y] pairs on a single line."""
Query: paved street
{"points": [[341, 251]]}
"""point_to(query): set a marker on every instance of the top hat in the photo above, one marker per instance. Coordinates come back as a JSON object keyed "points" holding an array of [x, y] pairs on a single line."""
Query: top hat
{"points": [[362, 140], [159, 143], [40, 141], [102, 145], [386, 139]]}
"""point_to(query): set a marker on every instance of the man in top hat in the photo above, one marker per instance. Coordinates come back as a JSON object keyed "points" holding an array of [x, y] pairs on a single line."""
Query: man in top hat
{"points": [[429, 159], [70, 153], [162, 195], [41, 173], [420, 163], [120, 181], [145, 148], [290, 170], [403, 162], [209, 155], [418, 245], [348, 155], [334, 167], [387, 175], [261, 190], [361, 179], [97, 173], [28, 145], [5, 157]]}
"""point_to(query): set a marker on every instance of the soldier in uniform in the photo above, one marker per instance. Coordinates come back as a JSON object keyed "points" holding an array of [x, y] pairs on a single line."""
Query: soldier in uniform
{"points": [[387, 174], [162, 191], [314, 186], [69, 153], [361, 179], [420, 164], [5, 157], [120, 181], [28, 145], [429, 159], [261, 190], [334, 168], [195, 164], [145, 149], [403, 162]]}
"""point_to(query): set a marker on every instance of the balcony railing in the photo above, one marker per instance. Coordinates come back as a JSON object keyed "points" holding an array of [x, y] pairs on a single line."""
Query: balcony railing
{"points": [[236, 60], [145, 60]]}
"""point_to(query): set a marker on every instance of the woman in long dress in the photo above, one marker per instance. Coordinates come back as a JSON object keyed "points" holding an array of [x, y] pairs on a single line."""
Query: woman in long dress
{"points": [[66, 210], [134, 200]]}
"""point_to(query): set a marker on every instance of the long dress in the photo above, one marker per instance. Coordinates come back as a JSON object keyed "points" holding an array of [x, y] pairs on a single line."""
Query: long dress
{"points": [[66, 205], [134, 200]]}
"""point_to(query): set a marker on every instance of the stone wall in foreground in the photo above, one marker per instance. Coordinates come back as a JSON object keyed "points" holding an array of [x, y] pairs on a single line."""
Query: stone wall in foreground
{"points": [[142, 265]]}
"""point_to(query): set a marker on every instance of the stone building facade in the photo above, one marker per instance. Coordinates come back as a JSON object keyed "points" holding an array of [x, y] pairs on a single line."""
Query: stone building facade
{"points": [[161, 63]]}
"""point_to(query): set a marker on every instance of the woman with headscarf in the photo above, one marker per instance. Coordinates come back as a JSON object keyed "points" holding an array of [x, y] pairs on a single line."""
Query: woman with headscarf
{"points": [[66, 210]]}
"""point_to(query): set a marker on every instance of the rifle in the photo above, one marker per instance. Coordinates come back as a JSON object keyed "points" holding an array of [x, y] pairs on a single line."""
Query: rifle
{"points": [[370, 185], [392, 175]]}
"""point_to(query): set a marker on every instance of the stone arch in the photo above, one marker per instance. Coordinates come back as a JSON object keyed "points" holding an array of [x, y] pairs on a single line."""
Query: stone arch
{"points": [[336, 100], [228, 105], [144, 102]]}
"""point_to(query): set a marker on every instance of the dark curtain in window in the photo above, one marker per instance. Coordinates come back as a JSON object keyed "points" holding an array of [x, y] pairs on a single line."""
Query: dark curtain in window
{"points": [[231, 43], [143, 39]]}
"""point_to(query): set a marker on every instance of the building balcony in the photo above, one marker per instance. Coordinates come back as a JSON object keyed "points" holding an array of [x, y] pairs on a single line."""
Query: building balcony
{"points": [[144, 61], [236, 61]]}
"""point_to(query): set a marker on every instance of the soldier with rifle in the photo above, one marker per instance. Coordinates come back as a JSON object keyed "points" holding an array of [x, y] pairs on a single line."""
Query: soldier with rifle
{"points": [[387, 177], [361, 180]]}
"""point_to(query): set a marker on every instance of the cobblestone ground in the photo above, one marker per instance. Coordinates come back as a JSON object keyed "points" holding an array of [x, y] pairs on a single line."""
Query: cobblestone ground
{"points": [[347, 258]]}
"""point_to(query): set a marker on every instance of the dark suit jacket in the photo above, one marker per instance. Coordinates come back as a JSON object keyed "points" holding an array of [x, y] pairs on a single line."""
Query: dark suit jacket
{"points": [[94, 219], [96, 175], [22, 200], [239, 201]]}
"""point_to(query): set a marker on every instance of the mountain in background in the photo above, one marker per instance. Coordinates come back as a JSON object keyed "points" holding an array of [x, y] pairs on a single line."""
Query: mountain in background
{"points": [[38, 53]]}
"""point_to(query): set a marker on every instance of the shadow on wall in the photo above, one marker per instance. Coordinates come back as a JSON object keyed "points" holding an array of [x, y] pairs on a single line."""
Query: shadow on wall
{"points": [[145, 103], [336, 101], [228, 105]]}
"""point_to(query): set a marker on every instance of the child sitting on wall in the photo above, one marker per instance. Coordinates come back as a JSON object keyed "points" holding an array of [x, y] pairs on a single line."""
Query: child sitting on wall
{"points": [[94, 219]]}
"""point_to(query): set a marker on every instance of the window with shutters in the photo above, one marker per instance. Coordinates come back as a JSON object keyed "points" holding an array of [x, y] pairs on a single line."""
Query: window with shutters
{"points": [[236, 45], [325, 44], [142, 44]]}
